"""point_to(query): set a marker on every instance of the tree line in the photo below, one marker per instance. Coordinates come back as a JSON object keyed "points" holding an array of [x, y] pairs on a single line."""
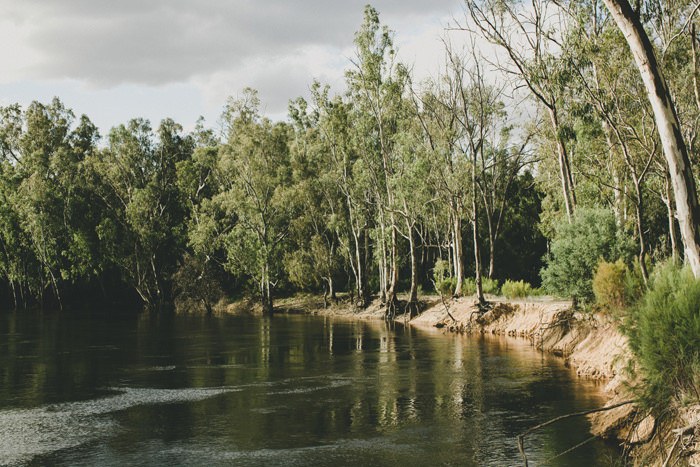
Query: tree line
{"points": [[364, 192]]}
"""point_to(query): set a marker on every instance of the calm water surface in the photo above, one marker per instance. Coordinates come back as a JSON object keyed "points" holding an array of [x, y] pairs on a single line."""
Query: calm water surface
{"points": [[291, 390]]}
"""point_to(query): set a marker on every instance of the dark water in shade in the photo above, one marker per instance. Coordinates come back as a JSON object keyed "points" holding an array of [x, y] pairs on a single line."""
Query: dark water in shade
{"points": [[291, 390]]}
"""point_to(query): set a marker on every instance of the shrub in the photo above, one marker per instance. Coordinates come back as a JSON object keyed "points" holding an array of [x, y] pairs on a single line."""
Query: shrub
{"points": [[576, 250], [609, 284], [664, 334], [490, 286], [468, 286], [447, 286], [634, 284], [444, 284], [516, 289]]}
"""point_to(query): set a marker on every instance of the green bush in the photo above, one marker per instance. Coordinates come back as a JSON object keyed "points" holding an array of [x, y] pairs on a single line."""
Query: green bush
{"points": [[490, 286], [468, 286], [576, 250], [516, 289], [446, 287], [609, 284], [634, 284], [444, 284], [664, 334]]}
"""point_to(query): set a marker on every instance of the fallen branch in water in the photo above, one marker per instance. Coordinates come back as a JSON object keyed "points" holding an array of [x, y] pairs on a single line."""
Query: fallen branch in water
{"points": [[521, 436]]}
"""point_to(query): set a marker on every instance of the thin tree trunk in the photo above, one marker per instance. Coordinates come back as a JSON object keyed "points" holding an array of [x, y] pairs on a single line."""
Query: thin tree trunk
{"points": [[383, 263], [477, 250], [564, 166], [413, 294], [668, 201], [696, 66], [668, 126], [458, 255], [391, 299], [639, 208]]}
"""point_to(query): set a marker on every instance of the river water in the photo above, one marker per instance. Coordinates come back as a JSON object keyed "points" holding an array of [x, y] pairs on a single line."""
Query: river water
{"points": [[291, 390]]}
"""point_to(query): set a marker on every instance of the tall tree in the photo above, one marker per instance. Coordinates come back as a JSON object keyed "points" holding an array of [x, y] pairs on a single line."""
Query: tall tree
{"points": [[376, 86], [668, 126], [255, 171]]}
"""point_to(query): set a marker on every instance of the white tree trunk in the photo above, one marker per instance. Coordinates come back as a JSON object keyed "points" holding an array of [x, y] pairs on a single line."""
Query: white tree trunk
{"points": [[668, 125]]}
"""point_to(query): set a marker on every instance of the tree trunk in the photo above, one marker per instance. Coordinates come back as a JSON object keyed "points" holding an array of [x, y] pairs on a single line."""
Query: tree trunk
{"points": [[564, 166], [477, 250], [668, 126], [492, 240], [413, 294], [670, 212], [412, 305], [458, 255], [265, 294], [391, 300], [383, 263], [640, 231]]}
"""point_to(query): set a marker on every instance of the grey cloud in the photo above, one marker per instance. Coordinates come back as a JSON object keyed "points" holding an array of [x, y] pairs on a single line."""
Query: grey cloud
{"points": [[107, 43]]}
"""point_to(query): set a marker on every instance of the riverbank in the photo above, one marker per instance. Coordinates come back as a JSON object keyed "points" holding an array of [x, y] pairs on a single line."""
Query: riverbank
{"points": [[591, 344]]}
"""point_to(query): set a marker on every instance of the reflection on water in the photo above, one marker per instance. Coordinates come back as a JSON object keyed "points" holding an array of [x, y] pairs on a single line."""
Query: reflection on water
{"points": [[291, 390]]}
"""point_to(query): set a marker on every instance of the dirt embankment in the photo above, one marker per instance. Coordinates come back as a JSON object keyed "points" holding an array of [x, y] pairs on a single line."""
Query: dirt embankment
{"points": [[593, 345]]}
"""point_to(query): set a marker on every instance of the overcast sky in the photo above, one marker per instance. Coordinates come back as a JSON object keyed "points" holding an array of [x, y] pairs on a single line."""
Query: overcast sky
{"points": [[118, 59]]}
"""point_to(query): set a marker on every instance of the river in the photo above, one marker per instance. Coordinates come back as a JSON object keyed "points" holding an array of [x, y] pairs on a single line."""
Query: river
{"points": [[291, 390]]}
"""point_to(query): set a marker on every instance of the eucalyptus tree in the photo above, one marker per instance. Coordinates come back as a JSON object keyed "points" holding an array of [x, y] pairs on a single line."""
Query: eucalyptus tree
{"points": [[255, 175], [345, 166], [476, 107], [668, 124], [318, 228], [47, 239], [376, 86], [449, 174], [142, 230], [413, 196], [607, 82], [529, 34], [499, 165]]}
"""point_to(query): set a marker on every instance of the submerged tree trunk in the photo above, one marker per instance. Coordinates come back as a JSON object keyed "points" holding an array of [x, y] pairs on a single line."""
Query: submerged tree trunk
{"points": [[668, 126]]}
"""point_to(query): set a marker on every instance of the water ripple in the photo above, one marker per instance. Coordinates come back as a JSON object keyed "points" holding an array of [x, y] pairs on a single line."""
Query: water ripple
{"points": [[27, 433]]}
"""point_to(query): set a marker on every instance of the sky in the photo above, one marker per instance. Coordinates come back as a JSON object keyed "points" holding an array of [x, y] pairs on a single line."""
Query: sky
{"points": [[114, 60]]}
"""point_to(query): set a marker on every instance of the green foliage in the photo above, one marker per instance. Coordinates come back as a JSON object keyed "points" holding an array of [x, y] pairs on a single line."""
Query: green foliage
{"points": [[517, 289], [664, 334], [609, 284], [576, 250], [197, 285], [444, 284], [490, 286], [635, 286], [468, 286]]}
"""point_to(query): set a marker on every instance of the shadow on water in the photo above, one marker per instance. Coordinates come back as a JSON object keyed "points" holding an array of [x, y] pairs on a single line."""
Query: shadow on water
{"points": [[289, 390]]}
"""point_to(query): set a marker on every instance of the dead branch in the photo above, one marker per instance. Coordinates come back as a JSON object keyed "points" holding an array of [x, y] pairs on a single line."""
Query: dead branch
{"points": [[521, 437]]}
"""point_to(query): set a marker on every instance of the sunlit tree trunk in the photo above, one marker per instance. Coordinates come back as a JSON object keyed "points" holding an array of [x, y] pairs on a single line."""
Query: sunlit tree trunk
{"points": [[668, 126]]}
